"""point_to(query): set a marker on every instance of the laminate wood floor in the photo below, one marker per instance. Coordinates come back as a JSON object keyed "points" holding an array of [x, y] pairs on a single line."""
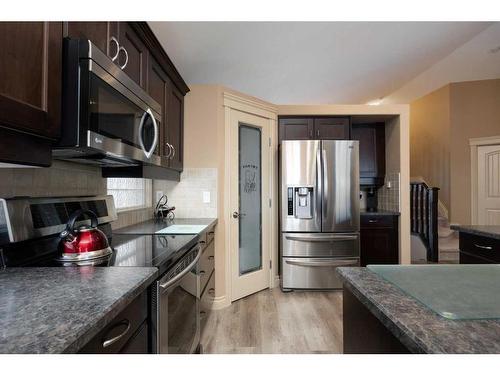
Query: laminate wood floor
{"points": [[275, 322]]}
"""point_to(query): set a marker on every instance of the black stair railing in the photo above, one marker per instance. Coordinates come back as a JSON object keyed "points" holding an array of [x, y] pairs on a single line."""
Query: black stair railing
{"points": [[424, 217]]}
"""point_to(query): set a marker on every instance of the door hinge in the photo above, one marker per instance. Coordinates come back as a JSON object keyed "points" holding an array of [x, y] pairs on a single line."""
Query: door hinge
{"points": [[270, 264], [270, 202], [269, 141]]}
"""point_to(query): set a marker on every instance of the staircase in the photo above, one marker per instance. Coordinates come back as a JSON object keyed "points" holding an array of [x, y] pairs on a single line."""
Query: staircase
{"points": [[447, 242], [433, 241]]}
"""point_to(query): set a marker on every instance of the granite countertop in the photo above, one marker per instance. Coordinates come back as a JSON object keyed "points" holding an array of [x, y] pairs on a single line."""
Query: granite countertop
{"points": [[379, 212], [59, 309], [492, 231], [153, 226], [420, 329]]}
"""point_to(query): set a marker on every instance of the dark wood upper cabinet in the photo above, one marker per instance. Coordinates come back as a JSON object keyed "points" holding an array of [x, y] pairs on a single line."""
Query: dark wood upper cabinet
{"points": [[30, 90], [158, 83], [99, 33], [371, 139], [133, 54], [331, 128], [175, 121], [296, 128], [303, 128]]}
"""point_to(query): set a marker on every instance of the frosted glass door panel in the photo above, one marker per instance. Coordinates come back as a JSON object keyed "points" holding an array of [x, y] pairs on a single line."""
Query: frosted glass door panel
{"points": [[250, 199]]}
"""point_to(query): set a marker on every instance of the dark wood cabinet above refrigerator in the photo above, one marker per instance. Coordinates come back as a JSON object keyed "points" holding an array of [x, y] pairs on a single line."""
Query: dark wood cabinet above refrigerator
{"points": [[304, 128]]}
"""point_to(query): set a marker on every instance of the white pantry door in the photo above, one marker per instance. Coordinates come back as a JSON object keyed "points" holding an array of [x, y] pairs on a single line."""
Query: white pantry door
{"points": [[249, 197], [488, 173]]}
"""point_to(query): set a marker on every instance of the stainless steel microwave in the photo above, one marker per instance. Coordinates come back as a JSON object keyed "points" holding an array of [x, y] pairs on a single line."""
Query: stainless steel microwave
{"points": [[107, 119]]}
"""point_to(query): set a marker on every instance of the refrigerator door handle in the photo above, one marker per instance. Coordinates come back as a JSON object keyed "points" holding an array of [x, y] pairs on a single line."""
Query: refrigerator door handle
{"points": [[319, 186], [335, 237], [324, 186], [322, 263]]}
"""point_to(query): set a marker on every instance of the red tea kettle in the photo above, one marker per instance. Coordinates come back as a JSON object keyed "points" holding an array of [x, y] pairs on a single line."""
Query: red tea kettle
{"points": [[85, 242]]}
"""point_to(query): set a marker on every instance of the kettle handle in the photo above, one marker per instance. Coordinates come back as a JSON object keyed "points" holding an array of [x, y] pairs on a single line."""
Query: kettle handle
{"points": [[75, 215]]}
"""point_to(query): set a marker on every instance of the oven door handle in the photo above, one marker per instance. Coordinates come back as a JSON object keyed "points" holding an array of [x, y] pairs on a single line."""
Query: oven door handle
{"points": [[170, 282], [149, 152]]}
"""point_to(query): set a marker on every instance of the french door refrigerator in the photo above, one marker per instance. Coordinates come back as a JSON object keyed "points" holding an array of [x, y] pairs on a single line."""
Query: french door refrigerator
{"points": [[319, 212]]}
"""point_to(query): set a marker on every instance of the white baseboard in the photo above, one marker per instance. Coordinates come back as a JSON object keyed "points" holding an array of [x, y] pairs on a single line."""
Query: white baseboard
{"points": [[220, 302], [276, 282]]}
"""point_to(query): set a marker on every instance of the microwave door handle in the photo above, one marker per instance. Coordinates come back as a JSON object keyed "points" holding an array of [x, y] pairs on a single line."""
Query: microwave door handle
{"points": [[155, 139]]}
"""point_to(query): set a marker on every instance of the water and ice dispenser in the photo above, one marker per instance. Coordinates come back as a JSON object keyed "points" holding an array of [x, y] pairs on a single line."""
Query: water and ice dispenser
{"points": [[300, 202]]}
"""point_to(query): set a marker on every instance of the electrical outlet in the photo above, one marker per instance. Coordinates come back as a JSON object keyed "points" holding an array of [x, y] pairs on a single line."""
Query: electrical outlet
{"points": [[206, 197], [159, 194]]}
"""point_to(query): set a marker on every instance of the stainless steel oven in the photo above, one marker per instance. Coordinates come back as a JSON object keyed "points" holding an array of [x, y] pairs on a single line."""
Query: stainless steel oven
{"points": [[176, 307], [108, 119]]}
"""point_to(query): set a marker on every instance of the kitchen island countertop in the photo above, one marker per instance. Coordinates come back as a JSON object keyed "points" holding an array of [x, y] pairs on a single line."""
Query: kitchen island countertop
{"points": [[59, 309], [416, 326], [491, 231]]}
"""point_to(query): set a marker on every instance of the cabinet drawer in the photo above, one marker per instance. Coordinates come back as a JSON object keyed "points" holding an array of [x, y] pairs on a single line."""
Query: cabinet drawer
{"points": [[116, 334], [320, 244], [207, 263], [210, 234], [314, 273], [480, 246], [207, 299], [375, 221], [471, 259]]}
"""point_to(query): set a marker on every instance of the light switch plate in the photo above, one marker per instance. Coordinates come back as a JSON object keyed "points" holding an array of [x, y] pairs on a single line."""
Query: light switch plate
{"points": [[206, 197]]}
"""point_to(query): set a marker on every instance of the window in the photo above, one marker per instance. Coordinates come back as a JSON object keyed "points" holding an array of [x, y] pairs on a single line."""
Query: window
{"points": [[130, 193]]}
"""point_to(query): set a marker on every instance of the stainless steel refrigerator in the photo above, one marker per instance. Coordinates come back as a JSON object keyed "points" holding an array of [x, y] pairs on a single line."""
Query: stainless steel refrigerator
{"points": [[319, 212]]}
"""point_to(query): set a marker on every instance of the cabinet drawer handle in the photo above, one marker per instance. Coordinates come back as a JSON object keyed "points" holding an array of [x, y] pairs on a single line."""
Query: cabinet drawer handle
{"points": [[202, 242], [211, 233], [113, 39], [483, 247], [202, 272], [169, 150], [317, 133], [211, 257], [373, 221], [203, 314], [112, 340], [211, 291], [173, 152]]}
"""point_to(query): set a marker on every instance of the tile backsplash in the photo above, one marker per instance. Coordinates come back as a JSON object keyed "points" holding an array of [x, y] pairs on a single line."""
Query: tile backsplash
{"points": [[63, 179], [187, 195], [389, 198]]}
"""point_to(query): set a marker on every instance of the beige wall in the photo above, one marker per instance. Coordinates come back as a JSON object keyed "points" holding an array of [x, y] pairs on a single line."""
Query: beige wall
{"points": [[442, 123], [398, 139], [430, 141], [475, 112]]}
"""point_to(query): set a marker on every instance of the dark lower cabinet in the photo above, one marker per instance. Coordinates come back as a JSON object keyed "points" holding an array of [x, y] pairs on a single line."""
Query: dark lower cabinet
{"points": [[363, 333], [371, 139], [477, 249], [126, 333], [379, 239], [30, 90]]}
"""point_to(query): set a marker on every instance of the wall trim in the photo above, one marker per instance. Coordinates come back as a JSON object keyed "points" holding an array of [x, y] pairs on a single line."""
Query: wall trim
{"points": [[248, 105], [220, 302], [474, 143]]}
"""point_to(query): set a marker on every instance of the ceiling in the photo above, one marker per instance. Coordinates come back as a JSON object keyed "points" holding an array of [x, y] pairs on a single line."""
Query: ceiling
{"points": [[310, 62]]}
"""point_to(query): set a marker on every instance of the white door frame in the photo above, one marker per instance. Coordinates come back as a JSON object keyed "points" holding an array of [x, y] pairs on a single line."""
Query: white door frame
{"points": [[474, 143], [269, 112]]}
